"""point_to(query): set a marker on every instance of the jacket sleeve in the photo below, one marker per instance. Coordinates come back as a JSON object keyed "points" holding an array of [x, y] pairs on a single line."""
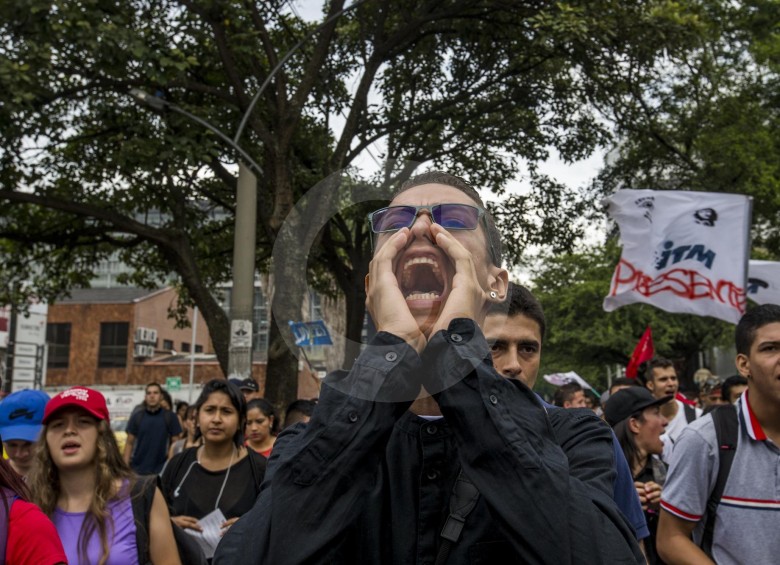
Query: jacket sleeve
{"points": [[318, 474], [509, 451]]}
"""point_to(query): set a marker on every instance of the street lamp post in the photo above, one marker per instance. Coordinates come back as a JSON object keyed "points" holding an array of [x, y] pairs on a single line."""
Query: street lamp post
{"points": [[242, 294]]}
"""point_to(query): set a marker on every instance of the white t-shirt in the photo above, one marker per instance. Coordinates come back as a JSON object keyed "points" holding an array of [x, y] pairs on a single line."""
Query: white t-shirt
{"points": [[673, 430]]}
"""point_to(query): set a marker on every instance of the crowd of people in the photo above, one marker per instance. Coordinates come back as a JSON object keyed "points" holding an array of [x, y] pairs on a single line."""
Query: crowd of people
{"points": [[70, 495], [432, 448]]}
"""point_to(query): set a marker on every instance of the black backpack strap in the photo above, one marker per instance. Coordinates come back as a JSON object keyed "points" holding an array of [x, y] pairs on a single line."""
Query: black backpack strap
{"points": [[462, 501], [690, 412], [726, 432], [141, 499]]}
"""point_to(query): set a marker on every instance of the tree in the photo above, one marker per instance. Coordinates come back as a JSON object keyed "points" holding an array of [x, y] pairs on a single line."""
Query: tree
{"points": [[584, 338], [474, 86], [708, 119]]}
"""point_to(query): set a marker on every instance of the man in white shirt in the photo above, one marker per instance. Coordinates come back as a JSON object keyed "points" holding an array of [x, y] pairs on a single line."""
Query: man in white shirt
{"points": [[661, 380]]}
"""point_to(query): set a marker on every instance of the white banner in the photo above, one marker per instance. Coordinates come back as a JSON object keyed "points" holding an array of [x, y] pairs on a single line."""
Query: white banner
{"points": [[764, 282], [682, 251]]}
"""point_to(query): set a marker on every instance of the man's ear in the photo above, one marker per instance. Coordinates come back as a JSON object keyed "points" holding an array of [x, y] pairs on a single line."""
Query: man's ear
{"points": [[650, 385], [365, 282], [633, 425], [499, 282], [743, 365]]}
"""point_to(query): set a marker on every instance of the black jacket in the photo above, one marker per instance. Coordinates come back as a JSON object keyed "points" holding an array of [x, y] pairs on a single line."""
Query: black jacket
{"points": [[368, 482]]}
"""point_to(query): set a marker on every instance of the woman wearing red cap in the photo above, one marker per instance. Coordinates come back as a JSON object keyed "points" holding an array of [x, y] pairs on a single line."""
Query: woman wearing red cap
{"points": [[81, 481]]}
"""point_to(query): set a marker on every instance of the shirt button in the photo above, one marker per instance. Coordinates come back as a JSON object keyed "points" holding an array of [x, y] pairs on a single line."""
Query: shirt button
{"points": [[392, 356], [431, 429], [353, 417], [457, 338], [493, 399]]}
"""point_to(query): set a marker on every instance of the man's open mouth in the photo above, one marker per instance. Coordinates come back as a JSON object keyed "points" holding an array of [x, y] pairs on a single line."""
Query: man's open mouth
{"points": [[422, 279]]}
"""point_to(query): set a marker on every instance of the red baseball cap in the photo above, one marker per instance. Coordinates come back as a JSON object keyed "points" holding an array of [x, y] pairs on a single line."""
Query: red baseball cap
{"points": [[90, 400]]}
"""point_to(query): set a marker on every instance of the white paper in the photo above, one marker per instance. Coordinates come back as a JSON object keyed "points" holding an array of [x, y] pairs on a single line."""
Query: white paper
{"points": [[211, 534]]}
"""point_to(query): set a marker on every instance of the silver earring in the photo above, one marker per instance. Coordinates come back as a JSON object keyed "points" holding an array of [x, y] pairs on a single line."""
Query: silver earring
{"points": [[493, 295]]}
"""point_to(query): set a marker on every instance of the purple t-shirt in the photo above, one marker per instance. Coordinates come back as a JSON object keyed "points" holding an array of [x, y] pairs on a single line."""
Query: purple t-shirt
{"points": [[121, 538]]}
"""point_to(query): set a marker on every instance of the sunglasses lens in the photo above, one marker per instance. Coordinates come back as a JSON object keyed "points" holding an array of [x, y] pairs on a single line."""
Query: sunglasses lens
{"points": [[456, 216], [393, 218]]}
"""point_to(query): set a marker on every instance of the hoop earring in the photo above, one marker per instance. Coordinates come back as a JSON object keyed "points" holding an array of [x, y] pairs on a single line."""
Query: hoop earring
{"points": [[493, 295]]}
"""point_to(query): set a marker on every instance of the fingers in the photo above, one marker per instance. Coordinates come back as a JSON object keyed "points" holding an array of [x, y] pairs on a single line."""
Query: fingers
{"points": [[187, 522]]}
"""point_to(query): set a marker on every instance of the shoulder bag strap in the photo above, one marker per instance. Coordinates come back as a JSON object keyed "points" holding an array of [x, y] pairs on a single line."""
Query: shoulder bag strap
{"points": [[726, 432]]}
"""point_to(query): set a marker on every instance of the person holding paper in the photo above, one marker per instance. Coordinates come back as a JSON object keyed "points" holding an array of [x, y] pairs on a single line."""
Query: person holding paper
{"points": [[208, 488]]}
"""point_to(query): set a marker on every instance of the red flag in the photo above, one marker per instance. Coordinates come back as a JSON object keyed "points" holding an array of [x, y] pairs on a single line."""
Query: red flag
{"points": [[642, 352]]}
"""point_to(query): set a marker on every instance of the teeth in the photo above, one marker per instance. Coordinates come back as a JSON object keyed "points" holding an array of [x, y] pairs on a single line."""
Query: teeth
{"points": [[407, 272], [423, 296]]}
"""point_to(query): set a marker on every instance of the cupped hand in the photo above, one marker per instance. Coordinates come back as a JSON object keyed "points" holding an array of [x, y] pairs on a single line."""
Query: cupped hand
{"points": [[467, 298], [385, 300], [187, 522]]}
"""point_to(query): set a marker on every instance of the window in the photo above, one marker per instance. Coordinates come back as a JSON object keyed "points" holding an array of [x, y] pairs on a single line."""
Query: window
{"points": [[168, 344], [113, 344], [58, 339], [185, 347], [198, 349]]}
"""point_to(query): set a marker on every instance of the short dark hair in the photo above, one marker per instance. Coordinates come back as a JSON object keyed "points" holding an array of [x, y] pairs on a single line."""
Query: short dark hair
{"points": [[751, 321], [621, 381], [268, 411], [654, 363], [297, 410], [158, 385], [732, 381], [440, 177], [236, 399], [519, 300], [565, 393]]}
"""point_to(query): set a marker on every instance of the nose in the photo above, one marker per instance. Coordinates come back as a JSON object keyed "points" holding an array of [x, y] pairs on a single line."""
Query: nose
{"points": [[510, 365], [421, 227]]}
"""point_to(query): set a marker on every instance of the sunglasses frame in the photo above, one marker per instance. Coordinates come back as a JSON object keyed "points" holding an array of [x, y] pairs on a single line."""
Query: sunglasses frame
{"points": [[480, 218], [429, 208]]}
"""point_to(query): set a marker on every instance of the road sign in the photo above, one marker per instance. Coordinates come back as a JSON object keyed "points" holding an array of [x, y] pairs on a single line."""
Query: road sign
{"points": [[173, 384]]}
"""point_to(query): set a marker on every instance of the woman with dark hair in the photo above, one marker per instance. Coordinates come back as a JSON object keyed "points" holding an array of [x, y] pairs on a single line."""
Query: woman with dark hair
{"points": [[189, 426], [30, 536], [262, 426], [635, 416], [221, 478], [82, 482]]}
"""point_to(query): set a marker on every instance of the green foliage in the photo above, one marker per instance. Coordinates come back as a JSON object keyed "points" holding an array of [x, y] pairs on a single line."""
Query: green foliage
{"points": [[482, 88], [707, 119]]}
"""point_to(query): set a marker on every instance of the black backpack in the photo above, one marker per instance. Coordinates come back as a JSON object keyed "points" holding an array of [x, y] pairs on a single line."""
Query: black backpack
{"points": [[142, 496], [726, 432]]}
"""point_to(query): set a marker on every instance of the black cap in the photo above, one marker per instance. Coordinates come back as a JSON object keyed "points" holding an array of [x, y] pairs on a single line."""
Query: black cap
{"points": [[628, 401], [249, 384]]}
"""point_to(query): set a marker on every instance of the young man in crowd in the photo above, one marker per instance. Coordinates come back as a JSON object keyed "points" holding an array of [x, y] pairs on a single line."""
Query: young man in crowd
{"points": [[515, 331], [149, 433], [733, 387], [570, 395], [747, 513], [422, 452], [661, 378], [21, 414]]}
